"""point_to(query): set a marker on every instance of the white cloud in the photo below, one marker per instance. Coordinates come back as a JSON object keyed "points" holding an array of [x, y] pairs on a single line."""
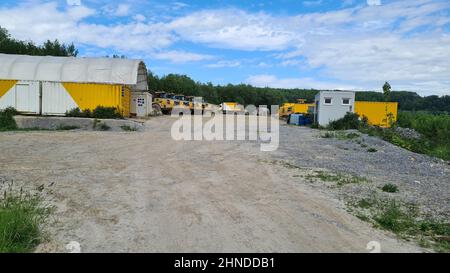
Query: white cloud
{"points": [[291, 62], [122, 10], [374, 2], [139, 17], [179, 5], [267, 80], [312, 3], [175, 56], [73, 2], [221, 64], [234, 29], [49, 22]]}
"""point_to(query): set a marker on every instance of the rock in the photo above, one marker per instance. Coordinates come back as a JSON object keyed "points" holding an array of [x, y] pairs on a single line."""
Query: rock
{"points": [[408, 133]]}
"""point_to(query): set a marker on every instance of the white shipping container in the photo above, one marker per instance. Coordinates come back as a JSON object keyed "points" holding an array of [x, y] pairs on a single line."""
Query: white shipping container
{"points": [[55, 99], [24, 97]]}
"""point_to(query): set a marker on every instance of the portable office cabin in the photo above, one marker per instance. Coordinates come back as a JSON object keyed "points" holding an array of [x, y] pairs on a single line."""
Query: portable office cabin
{"points": [[53, 85], [333, 105]]}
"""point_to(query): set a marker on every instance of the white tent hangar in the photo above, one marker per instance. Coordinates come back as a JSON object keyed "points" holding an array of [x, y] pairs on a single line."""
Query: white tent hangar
{"points": [[53, 85]]}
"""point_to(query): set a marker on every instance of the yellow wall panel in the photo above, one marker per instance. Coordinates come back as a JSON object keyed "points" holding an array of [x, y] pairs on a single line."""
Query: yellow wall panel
{"points": [[377, 113], [126, 101], [90, 96], [5, 86]]}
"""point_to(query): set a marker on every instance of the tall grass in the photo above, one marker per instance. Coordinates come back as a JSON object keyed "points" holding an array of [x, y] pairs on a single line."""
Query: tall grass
{"points": [[435, 129], [22, 216]]}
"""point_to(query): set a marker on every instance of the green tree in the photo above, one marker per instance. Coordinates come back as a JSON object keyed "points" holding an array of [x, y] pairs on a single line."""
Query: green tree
{"points": [[386, 91], [10, 45]]}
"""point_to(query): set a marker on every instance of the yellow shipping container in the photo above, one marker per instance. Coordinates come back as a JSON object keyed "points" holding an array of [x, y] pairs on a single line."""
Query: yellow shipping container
{"points": [[89, 96], [377, 113], [49, 85]]}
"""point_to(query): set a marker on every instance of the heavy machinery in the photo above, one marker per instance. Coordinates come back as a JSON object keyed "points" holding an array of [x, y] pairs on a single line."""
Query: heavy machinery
{"points": [[232, 108], [300, 107], [165, 101]]}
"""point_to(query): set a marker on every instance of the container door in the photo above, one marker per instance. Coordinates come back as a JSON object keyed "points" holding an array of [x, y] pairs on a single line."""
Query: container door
{"points": [[141, 106], [27, 98]]}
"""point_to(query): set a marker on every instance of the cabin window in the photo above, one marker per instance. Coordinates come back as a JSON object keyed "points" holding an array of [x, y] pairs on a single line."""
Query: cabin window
{"points": [[328, 101], [345, 101]]}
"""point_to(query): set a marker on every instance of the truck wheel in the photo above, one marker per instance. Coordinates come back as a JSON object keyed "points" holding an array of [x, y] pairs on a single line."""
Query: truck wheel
{"points": [[157, 109]]}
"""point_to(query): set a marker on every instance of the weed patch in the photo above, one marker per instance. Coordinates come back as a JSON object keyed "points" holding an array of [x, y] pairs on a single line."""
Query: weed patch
{"points": [[391, 188], [339, 179], [67, 128], [22, 217], [404, 220], [128, 128]]}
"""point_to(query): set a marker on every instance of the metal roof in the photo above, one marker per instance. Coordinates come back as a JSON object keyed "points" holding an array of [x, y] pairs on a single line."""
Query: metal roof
{"points": [[74, 70]]}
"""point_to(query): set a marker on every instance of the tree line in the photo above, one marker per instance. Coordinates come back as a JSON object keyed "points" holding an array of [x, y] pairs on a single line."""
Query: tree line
{"points": [[10, 45], [247, 94]]}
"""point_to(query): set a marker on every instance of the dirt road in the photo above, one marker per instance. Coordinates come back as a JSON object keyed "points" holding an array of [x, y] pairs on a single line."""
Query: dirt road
{"points": [[144, 192]]}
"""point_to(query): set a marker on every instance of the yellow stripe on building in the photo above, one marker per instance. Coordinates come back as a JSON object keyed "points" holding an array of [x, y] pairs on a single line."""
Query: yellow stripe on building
{"points": [[5, 86], [90, 96]]}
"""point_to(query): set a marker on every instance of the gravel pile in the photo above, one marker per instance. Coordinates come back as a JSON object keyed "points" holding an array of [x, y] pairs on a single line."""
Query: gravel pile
{"points": [[408, 133], [421, 179]]}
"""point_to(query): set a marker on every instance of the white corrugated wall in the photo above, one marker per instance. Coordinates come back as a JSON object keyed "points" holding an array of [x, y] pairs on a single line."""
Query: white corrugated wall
{"points": [[24, 97], [55, 99]]}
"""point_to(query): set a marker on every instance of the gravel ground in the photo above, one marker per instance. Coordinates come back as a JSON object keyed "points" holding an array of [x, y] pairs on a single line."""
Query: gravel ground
{"points": [[421, 179], [144, 192]]}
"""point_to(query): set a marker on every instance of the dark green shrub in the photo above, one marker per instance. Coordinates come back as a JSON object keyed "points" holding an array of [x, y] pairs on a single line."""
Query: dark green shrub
{"points": [[100, 112], [67, 128], [77, 113], [104, 127], [349, 121], [128, 128], [106, 113], [315, 125], [390, 188], [7, 121]]}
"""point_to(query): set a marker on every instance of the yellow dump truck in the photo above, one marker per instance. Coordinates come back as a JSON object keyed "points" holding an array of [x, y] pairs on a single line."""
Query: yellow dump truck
{"points": [[232, 108], [166, 101]]}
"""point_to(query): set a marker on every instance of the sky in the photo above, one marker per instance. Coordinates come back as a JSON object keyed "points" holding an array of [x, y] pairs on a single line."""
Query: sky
{"points": [[321, 44]]}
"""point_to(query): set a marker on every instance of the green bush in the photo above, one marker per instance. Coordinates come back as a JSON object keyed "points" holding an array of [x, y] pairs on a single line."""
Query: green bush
{"points": [[77, 113], [21, 219], [104, 127], [100, 112], [106, 113], [67, 128], [390, 188], [7, 121], [349, 121], [128, 128]]}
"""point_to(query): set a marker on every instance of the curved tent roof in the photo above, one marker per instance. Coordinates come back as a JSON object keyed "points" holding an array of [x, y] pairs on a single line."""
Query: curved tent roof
{"points": [[74, 70]]}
